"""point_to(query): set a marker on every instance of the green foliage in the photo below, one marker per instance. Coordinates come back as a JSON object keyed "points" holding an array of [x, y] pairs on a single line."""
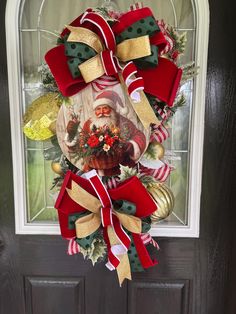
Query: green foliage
{"points": [[127, 172], [150, 153], [148, 181], [180, 40], [189, 72], [96, 252], [48, 80]]}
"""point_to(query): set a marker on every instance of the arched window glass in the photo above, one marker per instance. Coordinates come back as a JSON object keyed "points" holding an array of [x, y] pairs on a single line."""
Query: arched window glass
{"points": [[35, 32]]}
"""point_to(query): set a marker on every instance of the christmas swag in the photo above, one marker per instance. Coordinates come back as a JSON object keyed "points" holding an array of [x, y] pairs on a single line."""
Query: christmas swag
{"points": [[112, 83]]}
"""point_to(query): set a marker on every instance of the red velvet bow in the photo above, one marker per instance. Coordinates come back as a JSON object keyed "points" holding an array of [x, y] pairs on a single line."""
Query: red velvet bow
{"points": [[130, 190], [161, 81]]}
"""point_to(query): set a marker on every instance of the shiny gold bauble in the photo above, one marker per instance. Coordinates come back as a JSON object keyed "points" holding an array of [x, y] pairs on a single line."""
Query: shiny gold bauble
{"points": [[159, 150], [56, 167], [40, 117], [164, 198]]}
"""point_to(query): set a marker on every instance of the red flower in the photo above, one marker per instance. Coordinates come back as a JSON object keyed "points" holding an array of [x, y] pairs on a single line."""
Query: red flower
{"points": [[109, 140], [93, 141]]}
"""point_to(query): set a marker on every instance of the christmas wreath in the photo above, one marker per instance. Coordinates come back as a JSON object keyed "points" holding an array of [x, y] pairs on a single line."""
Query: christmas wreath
{"points": [[112, 83]]}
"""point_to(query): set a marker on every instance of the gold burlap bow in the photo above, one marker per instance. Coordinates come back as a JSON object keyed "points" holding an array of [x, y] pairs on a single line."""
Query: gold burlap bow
{"points": [[129, 49], [87, 225]]}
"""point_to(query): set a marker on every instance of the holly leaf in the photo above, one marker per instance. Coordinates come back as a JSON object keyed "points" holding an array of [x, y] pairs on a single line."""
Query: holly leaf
{"points": [[96, 251], [127, 172]]}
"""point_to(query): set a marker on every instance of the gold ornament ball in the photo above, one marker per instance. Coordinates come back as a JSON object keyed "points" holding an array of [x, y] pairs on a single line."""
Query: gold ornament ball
{"points": [[56, 167], [159, 150], [164, 198]]}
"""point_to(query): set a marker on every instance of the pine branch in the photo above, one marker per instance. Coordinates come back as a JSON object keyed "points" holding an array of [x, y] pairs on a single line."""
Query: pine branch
{"points": [[150, 152], [179, 40], [180, 101], [148, 181], [189, 72]]}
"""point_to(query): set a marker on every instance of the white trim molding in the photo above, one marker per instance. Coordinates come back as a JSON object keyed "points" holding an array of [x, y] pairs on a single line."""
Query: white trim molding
{"points": [[13, 15], [197, 131]]}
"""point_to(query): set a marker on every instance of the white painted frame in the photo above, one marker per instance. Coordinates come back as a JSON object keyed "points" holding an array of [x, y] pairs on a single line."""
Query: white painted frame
{"points": [[197, 129]]}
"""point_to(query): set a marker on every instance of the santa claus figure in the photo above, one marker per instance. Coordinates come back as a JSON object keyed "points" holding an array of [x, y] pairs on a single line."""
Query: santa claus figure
{"points": [[109, 110]]}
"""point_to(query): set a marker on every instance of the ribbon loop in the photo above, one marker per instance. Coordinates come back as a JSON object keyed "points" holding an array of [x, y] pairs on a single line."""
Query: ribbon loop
{"points": [[133, 48], [104, 28], [108, 62], [128, 70], [134, 87]]}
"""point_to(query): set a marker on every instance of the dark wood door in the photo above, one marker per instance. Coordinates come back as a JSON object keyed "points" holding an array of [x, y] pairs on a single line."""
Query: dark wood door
{"points": [[36, 277]]}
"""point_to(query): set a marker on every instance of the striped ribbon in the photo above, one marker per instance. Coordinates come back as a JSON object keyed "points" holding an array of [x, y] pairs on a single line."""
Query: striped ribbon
{"points": [[112, 183], [159, 133], [169, 40], [161, 174], [146, 238], [103, 82], [162, 113], [73, 247]]}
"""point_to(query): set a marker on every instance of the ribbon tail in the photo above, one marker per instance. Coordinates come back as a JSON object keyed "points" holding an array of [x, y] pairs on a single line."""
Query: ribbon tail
{"points": [[123, 269], [143, 254], [142, 108]]}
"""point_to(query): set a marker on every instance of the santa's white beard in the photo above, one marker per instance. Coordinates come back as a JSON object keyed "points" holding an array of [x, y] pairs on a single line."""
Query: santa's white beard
{"points": [[102, 121]]}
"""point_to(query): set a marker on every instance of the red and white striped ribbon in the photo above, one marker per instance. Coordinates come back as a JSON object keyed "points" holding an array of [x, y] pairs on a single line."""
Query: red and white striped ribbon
{"points": [[112, 183], [159, 133], [162, 113], [109, 219], [73, 247], [146, 238], [136, 6], [160, 174], [103, 82], [169, 40]]}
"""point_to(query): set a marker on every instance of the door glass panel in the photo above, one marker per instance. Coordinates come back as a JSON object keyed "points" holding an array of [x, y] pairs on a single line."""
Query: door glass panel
{"points": [[40, 23]]}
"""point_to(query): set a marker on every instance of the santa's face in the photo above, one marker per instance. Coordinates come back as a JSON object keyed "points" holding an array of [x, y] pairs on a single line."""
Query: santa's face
{"points": [[104, 115], [103, 111]]}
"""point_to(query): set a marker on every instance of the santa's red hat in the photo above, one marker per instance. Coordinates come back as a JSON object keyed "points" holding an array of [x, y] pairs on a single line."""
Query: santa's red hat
{"points": [[111, 99]]}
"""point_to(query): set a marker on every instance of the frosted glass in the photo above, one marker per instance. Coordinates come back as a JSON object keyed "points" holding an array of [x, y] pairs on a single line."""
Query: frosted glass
{"points": [[41, 21]]}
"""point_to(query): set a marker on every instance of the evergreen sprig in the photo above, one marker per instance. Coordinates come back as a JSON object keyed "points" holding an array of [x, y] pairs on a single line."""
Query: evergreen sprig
{"points": [[189, 72], [150, 152], [179, 39]]}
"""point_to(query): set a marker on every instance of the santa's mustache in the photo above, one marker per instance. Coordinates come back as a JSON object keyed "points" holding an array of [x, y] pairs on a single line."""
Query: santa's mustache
{"points": [[103, 120], [103, 115]]}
